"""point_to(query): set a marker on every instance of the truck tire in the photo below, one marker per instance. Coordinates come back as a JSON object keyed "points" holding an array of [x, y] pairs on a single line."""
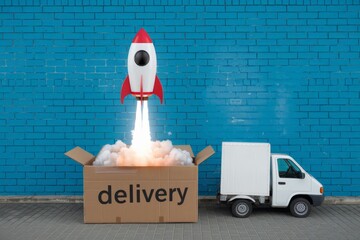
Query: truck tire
{"points": [[241, 208], [300, 207]]}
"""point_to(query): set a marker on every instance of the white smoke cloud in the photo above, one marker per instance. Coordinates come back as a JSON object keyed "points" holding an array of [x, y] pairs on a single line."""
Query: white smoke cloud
{"points": [[162, 153]]}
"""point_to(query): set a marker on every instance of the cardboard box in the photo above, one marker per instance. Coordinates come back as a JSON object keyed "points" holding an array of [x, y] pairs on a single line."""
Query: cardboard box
{"points": [[140, 194]]}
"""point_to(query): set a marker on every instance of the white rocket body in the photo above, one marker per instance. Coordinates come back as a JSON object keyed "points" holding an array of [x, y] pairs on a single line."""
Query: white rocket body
{"points": [[145, 73]]}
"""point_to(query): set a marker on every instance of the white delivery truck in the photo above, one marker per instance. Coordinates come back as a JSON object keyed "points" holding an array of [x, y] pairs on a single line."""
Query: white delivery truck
{"points": [[252, 176]]}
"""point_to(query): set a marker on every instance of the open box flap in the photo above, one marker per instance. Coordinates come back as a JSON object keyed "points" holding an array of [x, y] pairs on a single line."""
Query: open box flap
{"points": [[80, 155], [204, 154], [186, 148]]}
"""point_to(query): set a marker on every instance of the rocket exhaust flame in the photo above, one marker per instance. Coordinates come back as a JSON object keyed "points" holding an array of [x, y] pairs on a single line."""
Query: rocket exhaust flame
{"points": [[146, 122], [141, 141]]}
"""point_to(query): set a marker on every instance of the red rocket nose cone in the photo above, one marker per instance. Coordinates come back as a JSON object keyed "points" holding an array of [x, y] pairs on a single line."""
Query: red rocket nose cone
{"points": [[142, 37]]}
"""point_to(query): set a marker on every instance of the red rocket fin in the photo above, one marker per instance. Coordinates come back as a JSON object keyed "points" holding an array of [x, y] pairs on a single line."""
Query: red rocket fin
{"points": [[158, 91], [125, 89]]}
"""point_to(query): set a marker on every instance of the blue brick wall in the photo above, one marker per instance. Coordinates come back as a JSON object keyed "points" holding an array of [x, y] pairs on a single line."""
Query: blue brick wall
{"points": [[279, 71]]}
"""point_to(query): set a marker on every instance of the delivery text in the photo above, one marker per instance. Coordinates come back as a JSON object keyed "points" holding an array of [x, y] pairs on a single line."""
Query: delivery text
{"points": [[138, 194]]}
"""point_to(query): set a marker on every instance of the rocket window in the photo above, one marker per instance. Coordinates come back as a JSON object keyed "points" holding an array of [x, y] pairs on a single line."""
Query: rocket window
{"points": [[142, 58]]}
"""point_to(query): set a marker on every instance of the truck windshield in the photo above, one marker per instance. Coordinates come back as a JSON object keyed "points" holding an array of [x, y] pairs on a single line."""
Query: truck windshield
{"points": [[288, 169]]}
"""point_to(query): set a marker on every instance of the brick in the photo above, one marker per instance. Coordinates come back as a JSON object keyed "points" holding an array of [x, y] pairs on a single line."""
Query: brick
{"points": [[14, 189]]}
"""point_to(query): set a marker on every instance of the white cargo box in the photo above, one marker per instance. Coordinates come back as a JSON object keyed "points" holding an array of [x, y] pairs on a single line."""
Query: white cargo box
{"points": [[245, 169]]}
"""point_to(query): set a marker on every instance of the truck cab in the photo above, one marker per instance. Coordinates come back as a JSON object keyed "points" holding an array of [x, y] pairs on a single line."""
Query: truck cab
{"points": [[290, 182]]}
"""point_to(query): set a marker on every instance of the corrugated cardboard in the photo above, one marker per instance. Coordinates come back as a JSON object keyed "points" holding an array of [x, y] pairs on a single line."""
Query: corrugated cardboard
{"points": [[140, 194]]}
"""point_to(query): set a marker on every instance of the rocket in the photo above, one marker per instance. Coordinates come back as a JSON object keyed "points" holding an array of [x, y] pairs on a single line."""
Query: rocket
{"points": [[142, 81]]}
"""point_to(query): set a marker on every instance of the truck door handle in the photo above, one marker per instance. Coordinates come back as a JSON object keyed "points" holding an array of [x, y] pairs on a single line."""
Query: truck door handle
{"points": [[282, 183]]}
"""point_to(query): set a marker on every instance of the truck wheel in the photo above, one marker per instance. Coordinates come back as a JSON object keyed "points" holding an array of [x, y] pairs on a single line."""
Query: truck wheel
{"points": [[300, 207], [241, 208]]}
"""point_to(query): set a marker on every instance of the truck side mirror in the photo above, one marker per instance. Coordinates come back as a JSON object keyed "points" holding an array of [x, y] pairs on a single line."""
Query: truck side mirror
{"points": [[302, 175]]}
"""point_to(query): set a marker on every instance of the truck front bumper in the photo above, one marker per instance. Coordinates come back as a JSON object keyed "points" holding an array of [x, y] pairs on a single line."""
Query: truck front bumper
{"points": [[317, 199]]}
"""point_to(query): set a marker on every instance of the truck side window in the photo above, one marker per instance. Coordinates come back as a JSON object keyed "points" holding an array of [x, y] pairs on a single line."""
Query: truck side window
{"points": [[287, 169]]}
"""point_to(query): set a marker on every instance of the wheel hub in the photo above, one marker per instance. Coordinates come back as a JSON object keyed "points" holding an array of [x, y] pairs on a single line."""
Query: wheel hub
{"points": [[301, 208], [241, 208]]}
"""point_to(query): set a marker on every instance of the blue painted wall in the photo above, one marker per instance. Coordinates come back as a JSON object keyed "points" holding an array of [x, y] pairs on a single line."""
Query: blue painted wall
{"points": [[284, 72]]}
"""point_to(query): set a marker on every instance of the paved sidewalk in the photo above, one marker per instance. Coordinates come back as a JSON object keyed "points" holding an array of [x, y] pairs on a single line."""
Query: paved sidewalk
{"points": [[64, 221]]}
